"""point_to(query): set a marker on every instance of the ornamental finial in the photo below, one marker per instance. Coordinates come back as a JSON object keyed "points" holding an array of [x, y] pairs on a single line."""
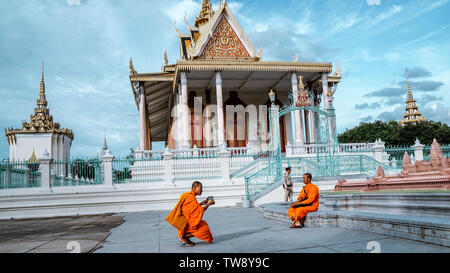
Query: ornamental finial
{"points": [[338, 70], [132, 70], [166, 60], [42, 72], [300, 83]]}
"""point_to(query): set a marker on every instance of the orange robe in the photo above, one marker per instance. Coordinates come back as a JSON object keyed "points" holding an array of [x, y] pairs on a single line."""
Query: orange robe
{"points": [[187, 218], [309, 197]]}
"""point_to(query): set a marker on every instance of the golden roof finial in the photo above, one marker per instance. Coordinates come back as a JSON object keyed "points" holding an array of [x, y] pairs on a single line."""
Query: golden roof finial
{"points": [[166, 60], [42, 72], [41, 101], [407, 79], [300, 83], [33, 158], [132, 71], [410, 95]]}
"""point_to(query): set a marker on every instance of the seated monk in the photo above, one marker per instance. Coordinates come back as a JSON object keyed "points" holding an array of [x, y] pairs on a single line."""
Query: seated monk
{"points": [[307, 201], [187, 216]]}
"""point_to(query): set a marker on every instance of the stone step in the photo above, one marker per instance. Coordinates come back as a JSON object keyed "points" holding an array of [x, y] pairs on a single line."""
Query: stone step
{"points": [[434, 230]]}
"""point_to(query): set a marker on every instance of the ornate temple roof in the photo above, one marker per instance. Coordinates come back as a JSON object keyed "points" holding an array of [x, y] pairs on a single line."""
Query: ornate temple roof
{"points": [[217, 34], [41, 121], [216, 42]]}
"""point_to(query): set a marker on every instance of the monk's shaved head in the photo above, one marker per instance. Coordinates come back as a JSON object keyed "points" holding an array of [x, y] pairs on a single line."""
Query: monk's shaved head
{"points": [[196, 184], [197, 187]]}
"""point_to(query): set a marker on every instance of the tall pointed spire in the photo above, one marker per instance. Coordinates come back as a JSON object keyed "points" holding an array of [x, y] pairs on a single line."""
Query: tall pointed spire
{"points": [[41, 101], [410, 95], [41, 121], [412, 114], [105, 145]]}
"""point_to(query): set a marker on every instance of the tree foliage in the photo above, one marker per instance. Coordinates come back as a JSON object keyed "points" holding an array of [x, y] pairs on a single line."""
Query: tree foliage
{"points": [[395, 134]]}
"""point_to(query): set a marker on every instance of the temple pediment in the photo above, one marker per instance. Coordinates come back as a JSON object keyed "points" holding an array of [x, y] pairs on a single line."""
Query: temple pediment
{"points": [[224, 42], [218, 37]]}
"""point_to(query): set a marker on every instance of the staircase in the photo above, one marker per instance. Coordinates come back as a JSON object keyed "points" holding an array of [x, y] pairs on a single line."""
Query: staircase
{"points": [[261, 177]]}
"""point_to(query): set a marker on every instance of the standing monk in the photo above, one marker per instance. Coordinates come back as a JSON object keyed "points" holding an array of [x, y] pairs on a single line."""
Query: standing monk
{"points": [[187, 216], [307, 201]]}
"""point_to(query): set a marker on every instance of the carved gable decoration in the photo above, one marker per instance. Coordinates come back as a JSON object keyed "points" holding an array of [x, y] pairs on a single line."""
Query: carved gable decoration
{"points": [[224, 42]]}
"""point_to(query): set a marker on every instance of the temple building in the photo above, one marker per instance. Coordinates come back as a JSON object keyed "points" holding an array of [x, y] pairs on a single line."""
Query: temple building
{"points": [[219, 67], [40, 135], [412, 114]]}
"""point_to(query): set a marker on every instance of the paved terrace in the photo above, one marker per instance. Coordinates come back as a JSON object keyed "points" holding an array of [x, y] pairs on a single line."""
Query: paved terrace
{"points": [[235, 230]]}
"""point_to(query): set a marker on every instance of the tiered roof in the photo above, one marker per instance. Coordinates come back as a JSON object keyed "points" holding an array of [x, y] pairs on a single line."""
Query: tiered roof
{"points": [[412, 114], [41, 121]]}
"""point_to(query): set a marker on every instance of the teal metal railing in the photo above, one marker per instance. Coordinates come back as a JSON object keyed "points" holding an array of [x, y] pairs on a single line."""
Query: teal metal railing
{"points": [[397, 152], [196, 168], [131, 170], [76, 172], [19, 174]]}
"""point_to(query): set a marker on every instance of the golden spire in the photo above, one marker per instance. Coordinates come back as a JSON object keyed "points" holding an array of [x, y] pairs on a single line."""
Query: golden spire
{"points": [[41, 101], [33, 158], [410, 95], [41, 121], [301, 85], [412, 114], [205, 13]]}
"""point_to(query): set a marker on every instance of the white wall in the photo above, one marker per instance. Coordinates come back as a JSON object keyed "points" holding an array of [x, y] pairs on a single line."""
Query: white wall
{"points": [[53, 143]]}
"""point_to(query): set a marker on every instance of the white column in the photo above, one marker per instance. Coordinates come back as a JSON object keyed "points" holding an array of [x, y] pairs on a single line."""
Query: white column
{"points": [[325, 90], [312, 120], [142, 111], [186, 117], [298, 121], [220, 115], [306, 115]]}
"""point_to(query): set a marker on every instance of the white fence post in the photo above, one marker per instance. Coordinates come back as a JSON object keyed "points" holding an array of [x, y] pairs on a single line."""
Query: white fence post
{"points": [[168, 168], [418, 150], [107, 161], [288, 150], [379, 150], [44, 168], [225, 155]]}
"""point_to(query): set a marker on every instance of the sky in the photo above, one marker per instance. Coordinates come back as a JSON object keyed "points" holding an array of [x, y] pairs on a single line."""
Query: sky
{"points": [[86, 46]]}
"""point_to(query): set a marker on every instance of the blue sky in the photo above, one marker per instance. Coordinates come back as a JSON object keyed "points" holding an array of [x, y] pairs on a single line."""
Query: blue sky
{"points": [[86, 49]]}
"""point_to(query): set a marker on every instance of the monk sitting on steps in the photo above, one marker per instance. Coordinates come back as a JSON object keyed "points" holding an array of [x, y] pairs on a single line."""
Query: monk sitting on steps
{"points": [[307, 201], [187, 216]]}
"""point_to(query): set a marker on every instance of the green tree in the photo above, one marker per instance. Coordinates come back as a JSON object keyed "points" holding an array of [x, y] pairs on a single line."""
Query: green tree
{"points": [[395, 134]]}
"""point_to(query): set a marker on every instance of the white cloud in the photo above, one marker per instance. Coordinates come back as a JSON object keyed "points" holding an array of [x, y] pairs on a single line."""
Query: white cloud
{"points": [[388, 56], [177, 11], [347, 22], [386, 15]]}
